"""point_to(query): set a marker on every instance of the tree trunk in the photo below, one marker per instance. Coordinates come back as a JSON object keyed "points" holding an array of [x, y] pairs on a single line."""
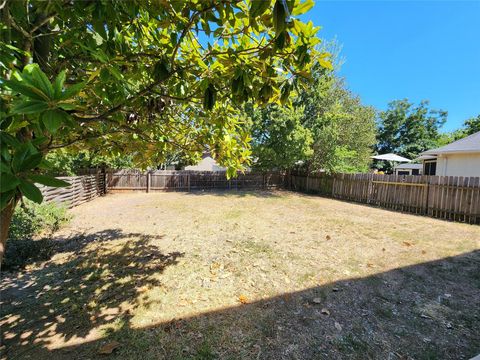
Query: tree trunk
{"points": [[5, 219]]}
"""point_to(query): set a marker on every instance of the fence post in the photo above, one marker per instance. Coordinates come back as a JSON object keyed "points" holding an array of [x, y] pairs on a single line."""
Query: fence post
{"points": [[148, 181], [369, 188], [188, 181], [105, 188], [427, 190], [333, 184]]}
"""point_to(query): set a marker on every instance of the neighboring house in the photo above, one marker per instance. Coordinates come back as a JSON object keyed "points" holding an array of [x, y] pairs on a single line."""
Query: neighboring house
{"points": [[206, 164], [408, 169], [460, 158]]}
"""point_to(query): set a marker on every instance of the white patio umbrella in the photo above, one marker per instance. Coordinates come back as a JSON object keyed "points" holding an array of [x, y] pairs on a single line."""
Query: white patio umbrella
{"points": [[391, 157]]}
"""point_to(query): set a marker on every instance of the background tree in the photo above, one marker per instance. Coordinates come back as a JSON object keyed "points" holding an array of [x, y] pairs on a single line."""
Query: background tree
{"points": [[280, 141], [343, 129], [469, 127], [139, 77], [66, 163], [407, 129], [328, 128]]}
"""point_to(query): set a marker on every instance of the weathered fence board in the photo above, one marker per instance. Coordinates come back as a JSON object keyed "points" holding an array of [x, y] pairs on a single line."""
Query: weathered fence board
{"points": [[189, 180], [454, 198], [82, 188]]}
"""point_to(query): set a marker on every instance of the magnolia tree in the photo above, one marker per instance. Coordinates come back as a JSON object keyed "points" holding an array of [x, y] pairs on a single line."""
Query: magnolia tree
{"points": [[143, 78]]}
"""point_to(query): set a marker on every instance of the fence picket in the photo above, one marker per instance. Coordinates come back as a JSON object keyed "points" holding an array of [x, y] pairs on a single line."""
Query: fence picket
{"points": [[454, 198]]}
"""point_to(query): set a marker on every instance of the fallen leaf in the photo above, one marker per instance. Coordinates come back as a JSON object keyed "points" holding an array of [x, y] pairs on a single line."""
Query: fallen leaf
{"points": [[338, 326], [243, 299], [108, 348], [317, 301], [406, 243], [424, 252], [328, 237], [370, 265], [325, 311], [335, 289]]}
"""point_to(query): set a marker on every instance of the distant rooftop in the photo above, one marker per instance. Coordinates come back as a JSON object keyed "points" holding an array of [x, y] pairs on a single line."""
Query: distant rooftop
{"points": [[469, 144]]}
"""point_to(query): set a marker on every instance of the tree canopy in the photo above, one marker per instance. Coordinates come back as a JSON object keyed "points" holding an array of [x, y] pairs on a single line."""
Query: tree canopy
{"points": [[144, 78], [407, 129], [327, 129]]}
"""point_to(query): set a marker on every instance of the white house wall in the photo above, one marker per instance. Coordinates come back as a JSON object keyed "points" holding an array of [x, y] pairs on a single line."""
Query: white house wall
{"points": [[458, 164]]}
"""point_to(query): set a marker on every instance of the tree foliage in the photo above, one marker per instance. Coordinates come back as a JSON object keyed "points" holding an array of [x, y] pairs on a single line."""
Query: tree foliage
{"points": [[343, 129], [68, 163], [327, 129], [144, 78], [471, 126], [407, 129], [280, 141]]}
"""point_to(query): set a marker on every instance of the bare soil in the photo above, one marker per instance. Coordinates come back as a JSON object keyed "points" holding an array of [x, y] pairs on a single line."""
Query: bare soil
{"points": [[246, 275]]}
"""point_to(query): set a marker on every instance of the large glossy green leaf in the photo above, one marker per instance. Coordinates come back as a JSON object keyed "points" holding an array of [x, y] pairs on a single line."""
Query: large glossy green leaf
{"points": [[49, 181], [5, 167], [32, 192], [31, 162], [5, 198], [161, 70], [8, 139], [26, 90], [29, 107], [279, 17], [8, 182], [209, 97], [58, 84], [258, 7], [303, 7], [71, 91], [53, 119], [21, 154], [42, 82]]}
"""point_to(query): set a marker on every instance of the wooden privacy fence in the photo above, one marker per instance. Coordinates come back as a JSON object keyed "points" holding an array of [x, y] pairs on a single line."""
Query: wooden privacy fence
{"points": [[189, 180], [454, 198], [82, 188]]}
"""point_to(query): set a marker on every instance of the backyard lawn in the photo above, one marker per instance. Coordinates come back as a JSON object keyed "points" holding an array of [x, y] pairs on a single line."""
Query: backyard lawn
{"points": [[246, 275]]}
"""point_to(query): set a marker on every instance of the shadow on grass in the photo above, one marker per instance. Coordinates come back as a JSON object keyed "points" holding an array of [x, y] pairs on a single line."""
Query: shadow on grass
{"points": [[424, 311], [95, 283], [238, 193]]}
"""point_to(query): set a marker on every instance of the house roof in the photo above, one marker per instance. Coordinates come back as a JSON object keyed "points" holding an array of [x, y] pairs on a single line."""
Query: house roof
{"points": [[206, 164], [426, 157], [466, 145], [391, 157], [409, 166]]}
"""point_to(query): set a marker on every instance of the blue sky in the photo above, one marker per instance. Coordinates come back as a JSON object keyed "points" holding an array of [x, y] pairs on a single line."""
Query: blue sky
{"points": [[408, 49]]}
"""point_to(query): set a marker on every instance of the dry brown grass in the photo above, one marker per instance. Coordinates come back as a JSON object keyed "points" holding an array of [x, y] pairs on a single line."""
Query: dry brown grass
{"points": [[248, 275]]}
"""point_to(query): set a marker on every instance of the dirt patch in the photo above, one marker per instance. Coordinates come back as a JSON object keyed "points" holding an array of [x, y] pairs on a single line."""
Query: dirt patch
{"points": [[267, 275]]}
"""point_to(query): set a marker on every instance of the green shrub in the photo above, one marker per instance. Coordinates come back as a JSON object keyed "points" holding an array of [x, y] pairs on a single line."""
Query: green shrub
{"points": [[30, 222], [33, 220]]}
